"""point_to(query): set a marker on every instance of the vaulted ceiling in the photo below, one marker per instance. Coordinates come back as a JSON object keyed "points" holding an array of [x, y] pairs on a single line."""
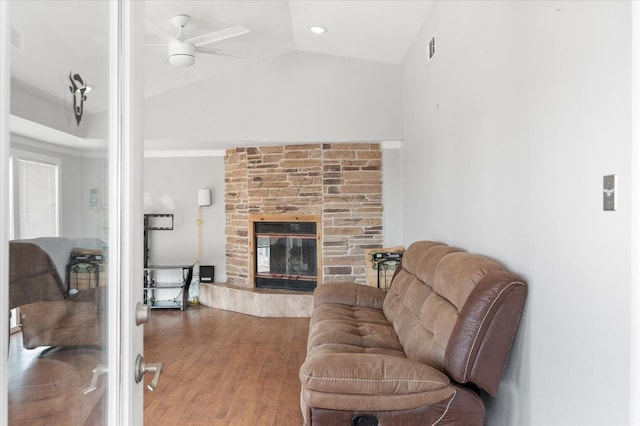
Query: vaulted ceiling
{"points": [[370, 30], [53, 38]]}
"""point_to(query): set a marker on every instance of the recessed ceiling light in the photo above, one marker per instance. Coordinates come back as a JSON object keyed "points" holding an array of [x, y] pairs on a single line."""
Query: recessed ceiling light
{"points": [[316, 29]]}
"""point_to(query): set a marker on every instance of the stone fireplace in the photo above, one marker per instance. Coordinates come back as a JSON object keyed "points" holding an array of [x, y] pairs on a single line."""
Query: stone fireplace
{"points": [[337, 186]]}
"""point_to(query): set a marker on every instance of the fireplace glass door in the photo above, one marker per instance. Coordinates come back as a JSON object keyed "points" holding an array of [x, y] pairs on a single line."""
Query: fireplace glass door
{"points": [[286, 256]]}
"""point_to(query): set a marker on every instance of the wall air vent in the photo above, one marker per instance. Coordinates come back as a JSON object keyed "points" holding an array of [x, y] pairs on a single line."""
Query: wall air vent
{"points": [[432, 49]]}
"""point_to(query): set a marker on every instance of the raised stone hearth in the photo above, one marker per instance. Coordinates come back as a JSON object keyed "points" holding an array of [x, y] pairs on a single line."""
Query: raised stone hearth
{"points": [[259, 303]]}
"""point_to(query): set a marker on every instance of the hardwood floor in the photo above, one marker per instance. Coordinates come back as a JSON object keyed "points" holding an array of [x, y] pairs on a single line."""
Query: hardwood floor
{"points": [[220, 368], [224, 368]]}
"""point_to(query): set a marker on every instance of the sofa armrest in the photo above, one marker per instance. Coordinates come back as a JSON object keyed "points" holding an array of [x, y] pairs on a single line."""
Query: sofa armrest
{"points": [[370, 374], [348, 293], [481, 340]]}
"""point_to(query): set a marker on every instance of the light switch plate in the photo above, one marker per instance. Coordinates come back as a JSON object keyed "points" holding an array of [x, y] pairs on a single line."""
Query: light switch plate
{"points": [[609, 193]]}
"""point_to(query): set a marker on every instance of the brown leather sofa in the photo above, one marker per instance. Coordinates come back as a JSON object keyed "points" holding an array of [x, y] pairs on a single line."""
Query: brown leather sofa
{"points": [[420, 354], [54, 389]]}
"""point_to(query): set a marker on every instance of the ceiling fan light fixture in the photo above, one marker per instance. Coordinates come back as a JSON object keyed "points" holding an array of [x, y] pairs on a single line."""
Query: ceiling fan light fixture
{"points": [[182, 54], [180, 60], [317, 29]]}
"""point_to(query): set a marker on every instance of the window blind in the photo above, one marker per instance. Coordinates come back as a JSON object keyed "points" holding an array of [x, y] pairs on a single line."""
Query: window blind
{"points": [[37, 198]]}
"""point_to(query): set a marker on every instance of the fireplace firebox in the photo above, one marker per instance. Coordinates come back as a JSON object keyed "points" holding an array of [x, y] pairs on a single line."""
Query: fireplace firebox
{"points": [[285, 255]]}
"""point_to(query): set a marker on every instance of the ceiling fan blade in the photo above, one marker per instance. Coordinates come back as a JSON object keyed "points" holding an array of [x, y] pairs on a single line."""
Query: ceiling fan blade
{"points": [[153, 29], [203, 39], [223, 52]]}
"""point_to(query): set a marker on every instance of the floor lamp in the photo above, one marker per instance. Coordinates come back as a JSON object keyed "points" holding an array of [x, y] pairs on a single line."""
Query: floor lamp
{"points": [[204, 199]]}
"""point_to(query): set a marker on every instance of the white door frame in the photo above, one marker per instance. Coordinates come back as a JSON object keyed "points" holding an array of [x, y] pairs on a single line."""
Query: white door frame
{"points": [[125, 397], [4, 206], [634, 344]]}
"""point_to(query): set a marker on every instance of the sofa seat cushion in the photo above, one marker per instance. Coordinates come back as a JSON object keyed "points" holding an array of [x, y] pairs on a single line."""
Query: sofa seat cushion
{"points": [[364, 381], [370, 374], [354, 359], [351, 329]]}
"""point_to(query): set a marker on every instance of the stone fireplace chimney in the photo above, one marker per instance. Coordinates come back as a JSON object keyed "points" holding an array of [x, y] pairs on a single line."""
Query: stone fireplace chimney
{"points": [[341, 184]]}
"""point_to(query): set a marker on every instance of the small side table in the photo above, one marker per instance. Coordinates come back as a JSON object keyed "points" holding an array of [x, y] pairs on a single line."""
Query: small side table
{"points": [[386, 262]]}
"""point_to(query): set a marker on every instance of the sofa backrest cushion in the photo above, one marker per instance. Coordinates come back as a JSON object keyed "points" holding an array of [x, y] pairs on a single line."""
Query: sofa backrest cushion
{"points": [[59, 248], [422, 319], [32, 275], [443, 316]]}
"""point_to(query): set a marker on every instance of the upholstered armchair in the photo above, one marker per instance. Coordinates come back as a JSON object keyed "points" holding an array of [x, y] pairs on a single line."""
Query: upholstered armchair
{"points": [[48, 315]]}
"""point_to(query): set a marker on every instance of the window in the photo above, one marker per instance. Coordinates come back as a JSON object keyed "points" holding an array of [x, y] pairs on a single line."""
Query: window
{"points": [[35, 196], [33, 202]]}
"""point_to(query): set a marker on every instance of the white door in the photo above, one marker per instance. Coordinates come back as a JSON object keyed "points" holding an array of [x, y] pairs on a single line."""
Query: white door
{"points": [[74, 75]]}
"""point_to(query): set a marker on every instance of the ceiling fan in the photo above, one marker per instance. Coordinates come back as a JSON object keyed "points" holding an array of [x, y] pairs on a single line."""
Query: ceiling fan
{"points": [[182, 51]]}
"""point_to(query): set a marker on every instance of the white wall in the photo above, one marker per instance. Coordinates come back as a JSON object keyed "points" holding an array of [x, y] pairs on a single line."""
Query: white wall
{"points": [[40, 107], [171, 186], [295, 97], [507, 135], [392, 194]]}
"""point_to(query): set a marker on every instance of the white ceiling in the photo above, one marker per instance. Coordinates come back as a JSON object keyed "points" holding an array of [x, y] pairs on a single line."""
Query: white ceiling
{"points": [[57, 37], [371, 30]]}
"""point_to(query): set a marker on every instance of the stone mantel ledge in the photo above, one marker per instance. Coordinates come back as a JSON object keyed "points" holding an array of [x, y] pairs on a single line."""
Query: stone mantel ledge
{"points": [[256, 302]]}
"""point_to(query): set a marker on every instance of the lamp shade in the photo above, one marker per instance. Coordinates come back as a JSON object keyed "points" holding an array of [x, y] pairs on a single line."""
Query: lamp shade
{"points": [[204, 197]]}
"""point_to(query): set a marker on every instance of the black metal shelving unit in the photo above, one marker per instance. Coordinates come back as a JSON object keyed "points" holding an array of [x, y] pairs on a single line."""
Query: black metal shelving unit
{"points": [[155, 290], [150, 220]]}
